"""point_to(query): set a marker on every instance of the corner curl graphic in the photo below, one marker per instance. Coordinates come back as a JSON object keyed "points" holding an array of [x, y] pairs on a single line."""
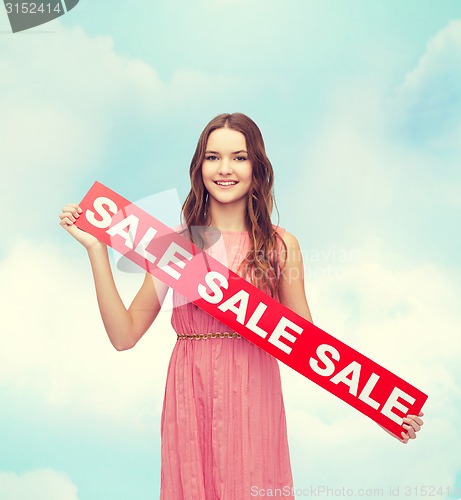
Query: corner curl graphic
{"points": [[26, 15]]}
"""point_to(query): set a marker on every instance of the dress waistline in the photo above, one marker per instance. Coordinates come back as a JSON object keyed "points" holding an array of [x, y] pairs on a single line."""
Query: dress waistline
{"points": [[214, 335]]}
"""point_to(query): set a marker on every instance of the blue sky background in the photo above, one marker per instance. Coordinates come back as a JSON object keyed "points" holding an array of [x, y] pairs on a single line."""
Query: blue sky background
{"points": [[360, 107]]}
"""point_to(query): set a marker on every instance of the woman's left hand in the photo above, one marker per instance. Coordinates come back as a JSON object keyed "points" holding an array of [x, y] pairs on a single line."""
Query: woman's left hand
{"points": [[412, 424]]}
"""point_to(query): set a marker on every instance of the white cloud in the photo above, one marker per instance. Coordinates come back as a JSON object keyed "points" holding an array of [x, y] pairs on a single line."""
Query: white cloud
{"points": [[427, 101], [43, 484], [350, 177], [55, 349], [65, 99], [400, 309], [405, 319], [56, 352], [369, 169], [441, 51]]}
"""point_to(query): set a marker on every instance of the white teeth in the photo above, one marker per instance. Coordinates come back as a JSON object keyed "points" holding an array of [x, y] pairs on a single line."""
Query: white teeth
{"points": [[226, 183]]}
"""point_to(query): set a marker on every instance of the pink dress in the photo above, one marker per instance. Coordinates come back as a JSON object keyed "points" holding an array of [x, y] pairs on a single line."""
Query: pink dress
{"points": [[223, 424]]}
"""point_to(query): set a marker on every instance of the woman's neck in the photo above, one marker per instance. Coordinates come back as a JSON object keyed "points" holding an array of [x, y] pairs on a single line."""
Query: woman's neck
{"points": [[228, 216]]}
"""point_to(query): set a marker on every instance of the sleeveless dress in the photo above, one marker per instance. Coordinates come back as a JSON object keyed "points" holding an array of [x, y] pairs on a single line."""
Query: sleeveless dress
{"points": [[223, 423]]}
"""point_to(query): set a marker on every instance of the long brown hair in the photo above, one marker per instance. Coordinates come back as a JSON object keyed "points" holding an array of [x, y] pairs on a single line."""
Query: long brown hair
{"points": [[261, 262]]}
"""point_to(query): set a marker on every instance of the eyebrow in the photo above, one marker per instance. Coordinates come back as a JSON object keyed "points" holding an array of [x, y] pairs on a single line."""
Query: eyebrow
{"points": [[234, 153]]}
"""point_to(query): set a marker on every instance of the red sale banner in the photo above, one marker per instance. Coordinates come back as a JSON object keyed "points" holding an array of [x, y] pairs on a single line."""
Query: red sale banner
{"points": [[172, 258]]}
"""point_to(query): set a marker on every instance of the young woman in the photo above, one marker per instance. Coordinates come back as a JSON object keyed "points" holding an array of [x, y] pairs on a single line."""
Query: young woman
{"points": [[223, 424]]}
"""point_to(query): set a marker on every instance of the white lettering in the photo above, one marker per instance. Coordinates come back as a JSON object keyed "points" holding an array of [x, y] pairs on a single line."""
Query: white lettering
{"points": [[170, 257], [393, 403], [254, 318], [144, 243], [210, 278], [230, 305], [106, 218], [321, 351], [281, 332], [353, 383], [365, 394], [132, 222]]}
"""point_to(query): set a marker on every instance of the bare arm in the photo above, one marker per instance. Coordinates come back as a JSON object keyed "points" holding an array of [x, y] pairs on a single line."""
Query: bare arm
{"points": [[292, 293], [123, 326]]}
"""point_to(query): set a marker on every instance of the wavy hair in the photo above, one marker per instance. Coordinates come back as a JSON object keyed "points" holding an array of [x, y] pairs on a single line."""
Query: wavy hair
{"points": [[261, 263]]}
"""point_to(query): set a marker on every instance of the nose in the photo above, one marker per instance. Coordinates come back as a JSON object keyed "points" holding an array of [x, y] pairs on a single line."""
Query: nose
{"points": [[225, 167]]}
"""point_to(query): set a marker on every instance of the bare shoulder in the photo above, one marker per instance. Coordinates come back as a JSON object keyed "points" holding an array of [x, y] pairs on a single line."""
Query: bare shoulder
{"points": [[292, 293], [292, 247], [290, 240]]}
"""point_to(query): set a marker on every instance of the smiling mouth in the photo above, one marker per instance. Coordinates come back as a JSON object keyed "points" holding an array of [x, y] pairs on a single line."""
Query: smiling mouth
{"points": [[226, 183]]}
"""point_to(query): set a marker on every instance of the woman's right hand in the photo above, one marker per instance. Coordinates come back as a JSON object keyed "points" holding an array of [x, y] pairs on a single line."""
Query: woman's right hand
{"points": [[70, 213]]}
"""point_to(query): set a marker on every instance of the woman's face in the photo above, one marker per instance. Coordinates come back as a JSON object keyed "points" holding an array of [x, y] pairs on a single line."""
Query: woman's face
{"points": [[226, 169]]}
